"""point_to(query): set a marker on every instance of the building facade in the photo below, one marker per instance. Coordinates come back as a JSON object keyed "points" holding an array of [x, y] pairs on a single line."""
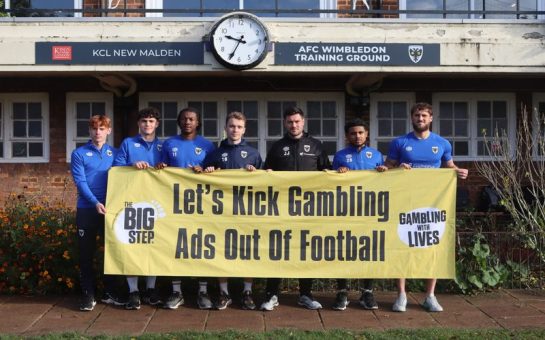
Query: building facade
{"points": [[478, 62]]}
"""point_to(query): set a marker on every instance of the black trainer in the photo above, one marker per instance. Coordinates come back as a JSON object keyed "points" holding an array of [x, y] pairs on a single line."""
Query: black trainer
{"points": [[203, 301], [87, 303], [367, 300], [174, 300], [151, 297], [223, 301], [134, 301], [111, 299], [341, 300], [247, 301]]}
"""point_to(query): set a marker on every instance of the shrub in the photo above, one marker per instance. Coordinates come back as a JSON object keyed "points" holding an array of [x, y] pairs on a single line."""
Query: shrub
{"points": [[37, 247]]}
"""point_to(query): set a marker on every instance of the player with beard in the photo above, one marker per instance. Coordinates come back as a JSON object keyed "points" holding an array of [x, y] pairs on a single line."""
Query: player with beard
{"points": [[421, 148]]}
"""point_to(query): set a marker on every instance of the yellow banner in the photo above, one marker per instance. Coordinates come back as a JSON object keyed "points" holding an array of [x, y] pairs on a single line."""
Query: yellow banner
{"points": [[234, 223]]}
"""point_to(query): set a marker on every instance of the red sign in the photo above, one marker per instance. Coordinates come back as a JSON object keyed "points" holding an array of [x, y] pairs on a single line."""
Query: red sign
{"points": [[61, 52]]}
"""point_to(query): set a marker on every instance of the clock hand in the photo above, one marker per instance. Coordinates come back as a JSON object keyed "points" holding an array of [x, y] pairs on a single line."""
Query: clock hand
{"points": [[239, 41], [230, 37]]}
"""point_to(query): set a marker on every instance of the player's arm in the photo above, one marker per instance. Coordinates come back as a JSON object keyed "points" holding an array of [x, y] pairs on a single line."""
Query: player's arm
{"points": [[78, 174], [462, 173]]}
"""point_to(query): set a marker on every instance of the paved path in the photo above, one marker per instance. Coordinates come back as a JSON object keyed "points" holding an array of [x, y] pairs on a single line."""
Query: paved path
{"points": [[511, 309]]}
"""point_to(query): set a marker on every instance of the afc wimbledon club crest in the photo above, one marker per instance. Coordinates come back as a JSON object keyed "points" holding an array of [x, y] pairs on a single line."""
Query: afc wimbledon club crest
{"points": [[435, 149], [243, 154], [198, 151], [135, 224], [306, 148], [368, 154], [422, 228], [416, 52]]}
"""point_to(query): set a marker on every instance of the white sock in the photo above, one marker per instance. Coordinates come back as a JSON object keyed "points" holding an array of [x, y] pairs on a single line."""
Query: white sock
{"points": [[223, 287], [430, 295], [150, 282], [203, 287], [177, 286], [403, 295], [132, 281], [247, 286]]}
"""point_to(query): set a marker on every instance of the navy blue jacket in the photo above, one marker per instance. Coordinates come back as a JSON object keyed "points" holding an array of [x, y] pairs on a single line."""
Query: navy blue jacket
{"points": [[233, 156]]}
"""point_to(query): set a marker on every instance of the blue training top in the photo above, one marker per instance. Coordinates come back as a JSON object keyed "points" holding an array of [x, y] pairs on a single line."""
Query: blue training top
{"points": [[366, 159], [233, 156], [184, 153], [89, 167], [135, 149], [420, 153]]}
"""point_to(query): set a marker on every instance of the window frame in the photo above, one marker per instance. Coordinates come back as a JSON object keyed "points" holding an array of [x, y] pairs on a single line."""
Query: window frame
{"points": [[300, 100], [324, 4], [474, 135], [6, 101], [78, 4], [72, 98]]}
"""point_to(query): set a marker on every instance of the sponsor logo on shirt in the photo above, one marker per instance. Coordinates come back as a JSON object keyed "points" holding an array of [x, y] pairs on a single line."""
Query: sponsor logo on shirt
{"points": [[136, 145], [174, 152], [89, 154], [224, 157], [286, 150], [409, 148], [349, 158]]}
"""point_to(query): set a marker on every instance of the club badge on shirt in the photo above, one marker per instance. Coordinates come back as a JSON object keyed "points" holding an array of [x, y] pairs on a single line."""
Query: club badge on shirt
{"points": [[369, 154], [109, 153], [306, 148], [159, 147], [198, 151], [435, 149], [244, 154]]}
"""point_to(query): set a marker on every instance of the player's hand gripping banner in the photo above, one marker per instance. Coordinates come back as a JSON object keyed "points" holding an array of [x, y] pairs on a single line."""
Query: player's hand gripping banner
{"points": [[235, 223]]}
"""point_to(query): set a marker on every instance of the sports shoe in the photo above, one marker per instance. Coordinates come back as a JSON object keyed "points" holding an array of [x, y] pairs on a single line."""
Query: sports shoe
{"points": [[341, 300], [247, 301], [308, 302], [204, 301], [151, 297], [175, 300], [432, 305], [134, 300], [87, 303], [367, 300], [400, 305], [111, 299], [223, 301], [270, 303]]}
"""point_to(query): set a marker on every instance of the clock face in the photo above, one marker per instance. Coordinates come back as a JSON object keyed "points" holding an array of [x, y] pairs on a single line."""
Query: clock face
{"points": [[239, 41]]}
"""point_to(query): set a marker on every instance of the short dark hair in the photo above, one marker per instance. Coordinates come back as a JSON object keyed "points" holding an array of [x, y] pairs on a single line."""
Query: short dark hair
{"points": [[293, 110], [355, 122], [422, 106], [149, 112], [189, 109]]}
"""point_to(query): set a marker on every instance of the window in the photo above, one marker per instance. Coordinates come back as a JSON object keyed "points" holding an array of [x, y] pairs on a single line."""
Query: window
{"points": [[264, 113], [389, 118], [471, 5], [538, 121], [79, 108], [24, 128], [192, 8], [466, 118], [42, 6]]}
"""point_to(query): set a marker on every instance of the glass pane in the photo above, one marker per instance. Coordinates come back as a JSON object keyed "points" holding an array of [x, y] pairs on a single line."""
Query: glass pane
{"points": [[19, 111], [314, 127], [35, 150], [170, 129], [251, 109], [500, 109], [460, 110], [1, 150], [83, 110], [446, 127], [196, 105], [234, 106], [210, 129], [52, 4], [445, 110], [330, 147], [400, 127], [35, 129], [19, 128], [299, 4], [210, 110], [251, 128], [35, 110], [384, 128], [82, 129], [484, 127], [481, 149], [99, 109], [384, 109], [483, 110], [177, 4], [273, 110], [170, 110], [400, 110], [313, 109], [461, 148], [274, 128], [329, 128], [501, 125], [460, 128], [18, 149]]}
